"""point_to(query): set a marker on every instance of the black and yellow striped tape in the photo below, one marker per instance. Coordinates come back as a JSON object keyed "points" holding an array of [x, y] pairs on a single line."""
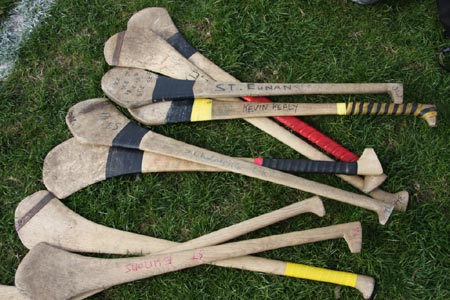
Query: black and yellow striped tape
{"points": [[424, 111]]}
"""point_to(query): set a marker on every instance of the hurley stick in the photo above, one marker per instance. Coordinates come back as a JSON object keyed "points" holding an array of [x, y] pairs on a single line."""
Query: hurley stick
{"points": [[38, 213], [131, 88], [200, 109], [75, 233], [97, 121], [49, 273], [72, 166], [149, 51]]}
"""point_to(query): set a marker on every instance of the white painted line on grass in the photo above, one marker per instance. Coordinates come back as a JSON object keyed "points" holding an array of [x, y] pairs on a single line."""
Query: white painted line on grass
{"points": [[25, 17]]}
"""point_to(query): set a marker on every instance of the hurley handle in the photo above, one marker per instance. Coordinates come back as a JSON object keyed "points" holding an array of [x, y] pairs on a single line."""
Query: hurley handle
{"points": [[367, 164], [308, 166]]}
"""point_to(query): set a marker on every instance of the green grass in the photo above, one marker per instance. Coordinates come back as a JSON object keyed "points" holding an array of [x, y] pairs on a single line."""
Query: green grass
{"points": [[314, 41], [5, 6]]}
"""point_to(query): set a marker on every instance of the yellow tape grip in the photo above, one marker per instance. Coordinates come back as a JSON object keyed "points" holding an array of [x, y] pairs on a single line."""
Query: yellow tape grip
{"points": [[201, 110], [341, 109], [320, 274]]}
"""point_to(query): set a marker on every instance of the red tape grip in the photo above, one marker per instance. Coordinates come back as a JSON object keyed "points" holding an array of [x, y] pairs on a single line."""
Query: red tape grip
{"points": [[311, 134]]}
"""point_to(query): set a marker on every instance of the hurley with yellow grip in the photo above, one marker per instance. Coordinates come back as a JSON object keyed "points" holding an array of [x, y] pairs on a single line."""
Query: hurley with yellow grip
{"points": [[194, 110]]}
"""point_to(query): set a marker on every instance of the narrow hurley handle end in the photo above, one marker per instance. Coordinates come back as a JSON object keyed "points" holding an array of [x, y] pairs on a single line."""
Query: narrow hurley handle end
{"points": [[395, 90], [401, 201], [428, 112], [425, 111], [384, 213], [369, 163], [315, 206], [366, 285], [371, 182], [431, 120], [353, 237], [398, 200]]}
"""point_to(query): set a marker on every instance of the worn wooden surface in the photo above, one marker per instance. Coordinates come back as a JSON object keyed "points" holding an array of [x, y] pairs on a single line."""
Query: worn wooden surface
{"points": [[72, 166]]}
